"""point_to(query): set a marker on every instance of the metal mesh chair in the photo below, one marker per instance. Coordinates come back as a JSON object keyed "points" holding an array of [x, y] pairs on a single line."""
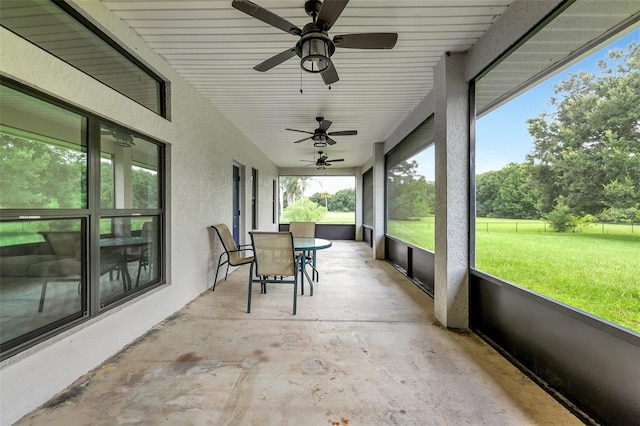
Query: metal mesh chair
{"points": [[275, 262], [231, 251]]}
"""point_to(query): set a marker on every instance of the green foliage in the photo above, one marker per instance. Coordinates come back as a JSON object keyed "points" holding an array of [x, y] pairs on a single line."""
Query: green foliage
{"points": [[618, 215], [343, 201], [303, 210], [561, 219], [317, 198], [145, 188], [409, 196], [506, 193], [40, 175]]}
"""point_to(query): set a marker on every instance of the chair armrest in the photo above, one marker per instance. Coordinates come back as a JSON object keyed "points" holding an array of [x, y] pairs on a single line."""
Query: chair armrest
{"points": [[241, 249]]}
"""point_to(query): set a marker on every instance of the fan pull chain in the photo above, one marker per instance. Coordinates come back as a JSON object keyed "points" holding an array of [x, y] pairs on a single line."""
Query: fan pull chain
{"points": [[301, 92]]}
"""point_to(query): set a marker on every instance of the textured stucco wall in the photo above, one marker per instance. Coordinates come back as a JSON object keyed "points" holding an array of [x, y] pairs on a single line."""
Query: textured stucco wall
{"points": [[203, 146], [451, 300]]}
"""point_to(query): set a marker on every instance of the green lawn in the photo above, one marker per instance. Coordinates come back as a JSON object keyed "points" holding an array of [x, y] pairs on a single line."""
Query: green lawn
{"points": [[348, 218], [596, 270]]}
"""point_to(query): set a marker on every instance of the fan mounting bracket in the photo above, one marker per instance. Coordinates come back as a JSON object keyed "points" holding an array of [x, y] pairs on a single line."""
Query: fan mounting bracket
{"points": [[312, 8]]}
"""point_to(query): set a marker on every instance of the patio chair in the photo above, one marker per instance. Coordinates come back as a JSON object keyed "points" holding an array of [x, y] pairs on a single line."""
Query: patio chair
{"points": [[275, 261], [67, 265], [143, 257], [231, 251], [306, 230]]}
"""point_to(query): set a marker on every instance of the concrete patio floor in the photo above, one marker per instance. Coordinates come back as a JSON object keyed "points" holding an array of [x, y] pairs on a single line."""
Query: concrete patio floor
{"points": [[364, 350]]}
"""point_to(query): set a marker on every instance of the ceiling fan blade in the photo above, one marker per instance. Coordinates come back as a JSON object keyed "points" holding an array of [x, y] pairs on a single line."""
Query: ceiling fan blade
{"points": [[334, 161], [275, 60], [343, 133], [308, 161], [324, 125], [303, 139], [366, 40], [330, 75], [330, 141], [330, 12], [266, 16], [301, 131]]}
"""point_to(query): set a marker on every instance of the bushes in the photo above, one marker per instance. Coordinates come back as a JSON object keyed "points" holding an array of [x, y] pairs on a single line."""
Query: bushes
{"points": [[303, 210]]}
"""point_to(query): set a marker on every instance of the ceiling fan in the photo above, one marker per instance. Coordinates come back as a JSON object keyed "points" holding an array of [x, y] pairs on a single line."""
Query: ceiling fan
{"points": [[322, 162], [315, 48], [120, 137], [320, 137]]}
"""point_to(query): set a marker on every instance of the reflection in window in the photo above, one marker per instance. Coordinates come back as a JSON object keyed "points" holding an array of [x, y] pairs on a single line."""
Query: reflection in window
{"points": [[42, 163], [411, 200], [42, 275], [106, 181], [558, 185], [129, 253], [320, 199], [76, 41], [129, 170]]}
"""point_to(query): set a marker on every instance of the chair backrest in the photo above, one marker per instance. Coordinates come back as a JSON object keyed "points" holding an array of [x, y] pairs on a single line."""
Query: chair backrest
{"points": [[225, 236], [303, 229], [64, 244], [274, 253]]}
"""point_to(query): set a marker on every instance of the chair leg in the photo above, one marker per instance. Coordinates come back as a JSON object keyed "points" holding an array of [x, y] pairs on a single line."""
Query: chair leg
{"points": [[215, 280], [42, 294], [295, 295], [139, 269], [250, 286]]}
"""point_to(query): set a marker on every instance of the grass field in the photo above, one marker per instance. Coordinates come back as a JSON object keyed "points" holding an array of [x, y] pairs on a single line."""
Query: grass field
{"points": [[348, 218], [596, 270]]}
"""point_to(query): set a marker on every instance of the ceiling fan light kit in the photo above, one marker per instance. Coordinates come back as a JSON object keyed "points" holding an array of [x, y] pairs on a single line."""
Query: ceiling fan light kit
{"points": [[315, 49]]}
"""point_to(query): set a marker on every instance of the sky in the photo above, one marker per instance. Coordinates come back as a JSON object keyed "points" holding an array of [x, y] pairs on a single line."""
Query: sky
{"points": [[330, 184]]}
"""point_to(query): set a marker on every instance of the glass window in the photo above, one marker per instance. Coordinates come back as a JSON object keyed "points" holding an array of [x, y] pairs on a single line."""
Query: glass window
{"points": [[43, 154], [49, 259], [58, 29], [558, 179], [42, 274], [129, 169], [320, 199]]}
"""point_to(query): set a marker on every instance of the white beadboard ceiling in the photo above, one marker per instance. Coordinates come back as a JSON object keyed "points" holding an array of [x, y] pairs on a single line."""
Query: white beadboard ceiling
{"points": [[214, 47]]}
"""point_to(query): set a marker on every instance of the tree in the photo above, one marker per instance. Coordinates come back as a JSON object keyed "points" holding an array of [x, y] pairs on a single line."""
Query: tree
{"points": [[325, 196], [41, 175], [587, 152], [506, 193], [343, 201], [292, 188], [410, 196]]}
